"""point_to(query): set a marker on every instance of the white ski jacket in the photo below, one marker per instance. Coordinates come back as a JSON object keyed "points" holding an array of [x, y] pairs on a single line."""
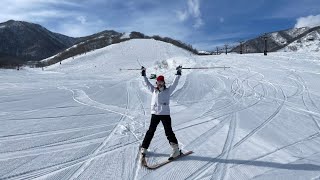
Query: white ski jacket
{"points": [[161, 99]]}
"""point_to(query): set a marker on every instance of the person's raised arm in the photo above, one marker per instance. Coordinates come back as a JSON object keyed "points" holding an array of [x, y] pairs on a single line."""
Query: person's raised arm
{"points": [[176, 79], [146, 80]]}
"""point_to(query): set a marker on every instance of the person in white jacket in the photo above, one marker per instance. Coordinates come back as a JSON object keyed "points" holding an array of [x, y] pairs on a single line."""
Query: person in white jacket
{"points": [[160, 111]]}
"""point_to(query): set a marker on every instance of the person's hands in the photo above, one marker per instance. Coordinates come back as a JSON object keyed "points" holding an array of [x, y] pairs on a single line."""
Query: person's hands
{"points": [[179, 69], [143, 71]]}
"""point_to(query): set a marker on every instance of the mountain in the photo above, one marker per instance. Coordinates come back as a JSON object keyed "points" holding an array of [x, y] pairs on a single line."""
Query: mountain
{"points": [[307, 43], [22, 41], [106, 38], [87, 44], [30, 42], [278, 40]]}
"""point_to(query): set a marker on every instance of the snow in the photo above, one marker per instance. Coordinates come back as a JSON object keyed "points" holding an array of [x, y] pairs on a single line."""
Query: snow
{"points": [[125, 35], [309, 43], [280, 39], [2, 26], [205, 52], [296, 31], [84, 119]]}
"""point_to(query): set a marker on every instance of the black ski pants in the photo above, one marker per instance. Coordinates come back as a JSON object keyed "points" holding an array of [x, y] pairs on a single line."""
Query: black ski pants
{"points": [[155, 120]]}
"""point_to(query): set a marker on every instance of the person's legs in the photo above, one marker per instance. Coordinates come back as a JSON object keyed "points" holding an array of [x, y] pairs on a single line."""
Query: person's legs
{"points": [[166, 121], [150, 133]]}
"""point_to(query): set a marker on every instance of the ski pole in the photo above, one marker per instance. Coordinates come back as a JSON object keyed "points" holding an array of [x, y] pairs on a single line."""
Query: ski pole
{"points": [[137, 69], [224, 67], [130, 69]]}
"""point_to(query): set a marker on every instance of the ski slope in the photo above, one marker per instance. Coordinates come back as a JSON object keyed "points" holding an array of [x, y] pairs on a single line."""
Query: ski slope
{"points": [[85, 119]]}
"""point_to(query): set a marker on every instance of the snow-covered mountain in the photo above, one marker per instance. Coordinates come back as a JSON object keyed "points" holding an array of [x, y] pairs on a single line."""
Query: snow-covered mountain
{"points": [[308, 43], [29, 42], [86, 44], [23, 41], [279, 40]]}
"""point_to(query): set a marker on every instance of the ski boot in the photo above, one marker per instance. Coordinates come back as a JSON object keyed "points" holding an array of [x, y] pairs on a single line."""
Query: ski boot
{"points": [[175, 151]]}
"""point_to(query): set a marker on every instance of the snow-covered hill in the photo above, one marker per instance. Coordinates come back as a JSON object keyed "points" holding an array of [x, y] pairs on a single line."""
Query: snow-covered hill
{"points": [[128, 54], [308, 43], [85, 119], [280, 40], [282, 37]]}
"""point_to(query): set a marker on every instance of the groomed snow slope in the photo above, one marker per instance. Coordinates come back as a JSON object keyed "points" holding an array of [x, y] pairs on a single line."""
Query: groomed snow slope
{"points": [[84, 119]]}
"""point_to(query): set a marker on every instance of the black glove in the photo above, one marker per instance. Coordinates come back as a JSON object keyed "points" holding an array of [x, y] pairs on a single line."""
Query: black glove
{"points": [[143, 71], [179, 68]]}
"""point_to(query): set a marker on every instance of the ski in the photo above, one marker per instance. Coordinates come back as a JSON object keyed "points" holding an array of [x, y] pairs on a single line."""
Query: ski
{"points": [[155, 166]]}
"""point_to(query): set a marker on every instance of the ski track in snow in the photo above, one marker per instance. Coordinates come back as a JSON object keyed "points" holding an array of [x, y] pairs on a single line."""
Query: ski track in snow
{"points": [[81, 97], [310, 99], [99, 148], [48, 133], [313, 136], [221, 168], [267, 121], [85, 163], [239, 122]]}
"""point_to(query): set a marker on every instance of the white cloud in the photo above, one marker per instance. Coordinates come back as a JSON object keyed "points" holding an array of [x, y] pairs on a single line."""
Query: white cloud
{"points": [[36, 10], [35, 3], [62, 16], [193, 11], [309, 21], [73, 28], [199, 22], [82, 19], [194, 7], [163, 25], [182, 15]]}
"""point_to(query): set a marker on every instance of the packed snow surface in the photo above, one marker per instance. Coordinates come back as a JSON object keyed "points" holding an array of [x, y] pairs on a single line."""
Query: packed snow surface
{"points": [[85, 119]]}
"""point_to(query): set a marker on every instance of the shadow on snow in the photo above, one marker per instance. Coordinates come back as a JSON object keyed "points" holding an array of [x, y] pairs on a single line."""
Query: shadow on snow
{"points": [[304, 167]]}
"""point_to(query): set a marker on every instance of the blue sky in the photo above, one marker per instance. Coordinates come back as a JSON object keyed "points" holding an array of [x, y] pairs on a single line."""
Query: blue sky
{"points": [[204, 24]]}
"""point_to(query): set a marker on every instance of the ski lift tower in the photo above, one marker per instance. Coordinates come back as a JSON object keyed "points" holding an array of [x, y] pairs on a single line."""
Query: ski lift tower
{"points": [[226, 48], [241, 46], [217, 50], [265, 38]]}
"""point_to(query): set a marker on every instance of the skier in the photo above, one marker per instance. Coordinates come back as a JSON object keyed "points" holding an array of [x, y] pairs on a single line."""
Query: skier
{"points": [[160, 111]]}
